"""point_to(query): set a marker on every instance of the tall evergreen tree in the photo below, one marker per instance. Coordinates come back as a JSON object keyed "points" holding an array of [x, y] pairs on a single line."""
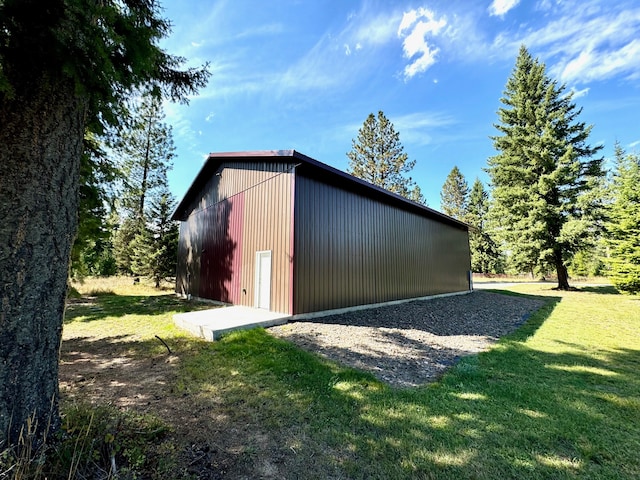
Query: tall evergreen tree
{"points": [[416, 195], [154, 250], [623, 228], [485, 253], [126, 231], [91, 247], [145, 145], [65, 67], [378, 157], [454, 194], [543, 171]]}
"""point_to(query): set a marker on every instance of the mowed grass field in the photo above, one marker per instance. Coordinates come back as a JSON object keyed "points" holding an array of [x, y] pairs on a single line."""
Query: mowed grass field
{"points": [[560, 398]]}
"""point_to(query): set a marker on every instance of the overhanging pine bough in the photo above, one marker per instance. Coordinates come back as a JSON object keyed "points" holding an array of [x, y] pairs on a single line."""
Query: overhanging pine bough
{"points": [[65, 66]]}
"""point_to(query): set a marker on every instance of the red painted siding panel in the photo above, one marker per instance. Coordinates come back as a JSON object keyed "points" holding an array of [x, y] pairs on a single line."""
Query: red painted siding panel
{"points": [[245, 208], [220, 263]]}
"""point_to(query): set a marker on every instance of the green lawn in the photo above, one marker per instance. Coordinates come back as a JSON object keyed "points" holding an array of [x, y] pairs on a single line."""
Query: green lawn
{"points": [[560, 398]]}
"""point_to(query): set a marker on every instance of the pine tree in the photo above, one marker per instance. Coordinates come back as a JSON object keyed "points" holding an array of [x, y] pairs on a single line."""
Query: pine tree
{"points": [[416, 195], [130, 227], [485, 253], [145, 146], [146, 149], [91, 247], [454, 193], [65, 68], [378, 157], [154, 249], [623, 228], [543, 172]]}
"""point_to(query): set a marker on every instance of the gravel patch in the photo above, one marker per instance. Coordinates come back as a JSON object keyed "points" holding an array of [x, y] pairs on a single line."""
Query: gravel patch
{"points": [[413, 343]]}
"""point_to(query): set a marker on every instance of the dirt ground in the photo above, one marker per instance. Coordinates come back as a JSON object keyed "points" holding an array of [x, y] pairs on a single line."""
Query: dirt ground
{"points": [[100, 372], [410, 350]]}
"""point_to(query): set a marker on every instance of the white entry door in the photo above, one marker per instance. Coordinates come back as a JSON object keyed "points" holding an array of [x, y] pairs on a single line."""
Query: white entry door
{"points": [[263, 280]]}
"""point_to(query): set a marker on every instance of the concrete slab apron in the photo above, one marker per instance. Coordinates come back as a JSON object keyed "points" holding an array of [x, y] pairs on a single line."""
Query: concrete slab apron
{"points": [[211, 324]]}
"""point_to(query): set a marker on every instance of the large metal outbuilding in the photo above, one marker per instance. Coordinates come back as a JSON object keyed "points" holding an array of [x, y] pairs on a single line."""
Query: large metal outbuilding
{"points": [[281, 231]]}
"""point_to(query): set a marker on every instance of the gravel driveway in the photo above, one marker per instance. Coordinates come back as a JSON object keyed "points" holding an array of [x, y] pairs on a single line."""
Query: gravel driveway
{"points": [[412, 343]]}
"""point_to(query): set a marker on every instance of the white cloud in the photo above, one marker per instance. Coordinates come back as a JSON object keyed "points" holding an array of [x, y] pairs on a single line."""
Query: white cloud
{"points": [[500, 7], [413, 127], [579, 93], [331, 61], [602, 64], [415, 27], [580, 41], [262, 30], [577, 65], [209, 117], [544, 5], [417, 128], [375, 29]]}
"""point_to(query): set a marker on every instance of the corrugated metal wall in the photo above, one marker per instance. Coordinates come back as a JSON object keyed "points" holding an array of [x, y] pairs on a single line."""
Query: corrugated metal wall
{"points": [[267, 226], [353, 250], [188, 268], [221, 257], [245, 209]]}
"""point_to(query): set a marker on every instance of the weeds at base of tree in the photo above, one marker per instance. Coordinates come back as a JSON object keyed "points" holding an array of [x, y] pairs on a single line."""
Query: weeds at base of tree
{"points": [[25, 460], [99, 442]]}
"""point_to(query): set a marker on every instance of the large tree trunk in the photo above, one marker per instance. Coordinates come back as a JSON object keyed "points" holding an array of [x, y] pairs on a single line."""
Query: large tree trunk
{"points": [[561, 270], [41, 134]]}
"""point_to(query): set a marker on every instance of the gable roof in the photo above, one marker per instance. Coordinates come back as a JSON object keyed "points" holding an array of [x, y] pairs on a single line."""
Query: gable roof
{"points": [[307, 166]]}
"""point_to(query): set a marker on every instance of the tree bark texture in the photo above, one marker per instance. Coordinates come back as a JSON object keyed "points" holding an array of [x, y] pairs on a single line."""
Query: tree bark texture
{"points": [[41, 132], [561, 271]]}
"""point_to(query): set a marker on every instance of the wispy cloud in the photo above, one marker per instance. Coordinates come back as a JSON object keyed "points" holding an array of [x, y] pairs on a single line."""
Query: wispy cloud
{"points": [[579, 93], [584, 42], [416, 29], [500, 7], [262, 30], [602, 63], [183, 128], [332, 61], [415, 128], [418, 128], [369, 28]]}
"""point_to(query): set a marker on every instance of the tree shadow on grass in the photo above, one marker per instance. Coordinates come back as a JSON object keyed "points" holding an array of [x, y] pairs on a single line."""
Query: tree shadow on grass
{"points": [[259, 407], [412, 344], [100, 306], [512, 412], [602, 290]]}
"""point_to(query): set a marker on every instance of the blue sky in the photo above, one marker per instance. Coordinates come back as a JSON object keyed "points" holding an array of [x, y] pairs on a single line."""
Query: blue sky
{"points": [[304, 75]]}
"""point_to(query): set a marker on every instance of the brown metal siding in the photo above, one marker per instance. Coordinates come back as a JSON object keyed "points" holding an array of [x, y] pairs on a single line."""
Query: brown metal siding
{"points": [[354, 250], [245, 209], [267, 226], [188, 268]]}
